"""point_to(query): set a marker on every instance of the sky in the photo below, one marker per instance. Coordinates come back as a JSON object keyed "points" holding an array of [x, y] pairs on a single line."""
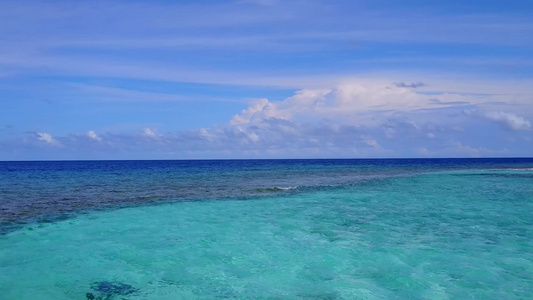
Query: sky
{"points": [[265, 79]]}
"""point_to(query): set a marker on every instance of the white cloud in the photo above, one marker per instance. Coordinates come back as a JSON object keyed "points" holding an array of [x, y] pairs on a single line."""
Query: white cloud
{"points": [[91, 134], [351, 102], [509, 120], [357, 118], [42, 136], [48, 139], [372, 143], [260, 109], [252, 136], [150, 133], [204, 133], [362, 117]]}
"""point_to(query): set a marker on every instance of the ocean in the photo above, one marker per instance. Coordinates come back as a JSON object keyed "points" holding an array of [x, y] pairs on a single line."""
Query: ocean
{"points": [[267, 229]]}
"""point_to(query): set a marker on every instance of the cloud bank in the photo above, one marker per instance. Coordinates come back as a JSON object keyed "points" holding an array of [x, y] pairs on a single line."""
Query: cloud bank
{"points": [[509, 120], [355, 118]]}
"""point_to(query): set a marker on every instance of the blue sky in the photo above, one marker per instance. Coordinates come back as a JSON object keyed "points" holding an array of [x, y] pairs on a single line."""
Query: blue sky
{"points": [[265, 79]]}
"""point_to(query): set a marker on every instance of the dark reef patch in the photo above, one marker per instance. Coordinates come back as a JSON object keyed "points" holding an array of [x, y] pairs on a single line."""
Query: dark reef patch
{"points": [[109, 290]]}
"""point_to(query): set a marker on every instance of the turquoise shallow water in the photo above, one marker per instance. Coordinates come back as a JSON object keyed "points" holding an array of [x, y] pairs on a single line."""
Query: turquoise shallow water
{"points": [[443, 235]]}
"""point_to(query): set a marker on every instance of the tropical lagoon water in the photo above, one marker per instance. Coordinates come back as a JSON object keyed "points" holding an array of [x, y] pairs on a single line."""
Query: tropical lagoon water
{"points": [[267, 229]]}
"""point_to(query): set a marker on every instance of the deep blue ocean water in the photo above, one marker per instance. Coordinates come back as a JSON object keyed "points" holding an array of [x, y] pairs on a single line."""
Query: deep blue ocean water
{"points": [[267, 229]]}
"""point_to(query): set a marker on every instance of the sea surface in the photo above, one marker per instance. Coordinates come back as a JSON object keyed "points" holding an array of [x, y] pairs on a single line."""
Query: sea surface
{"points": [[267, 229]]}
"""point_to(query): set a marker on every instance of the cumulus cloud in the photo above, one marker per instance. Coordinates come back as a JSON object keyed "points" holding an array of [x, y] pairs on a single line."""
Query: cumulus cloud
{"points": [[352, 119], [91, 134], [151, 133], [259, 109], [352, 102], [48, 139], [346, 103], [508, 120], [362, 118], [372, 143]]}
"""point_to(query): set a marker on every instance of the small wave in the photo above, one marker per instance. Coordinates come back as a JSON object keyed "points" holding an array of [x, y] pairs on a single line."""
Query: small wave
{"points": [[277, 188], [506, 169], [486, 171], [287, 188], [520, 169]]}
